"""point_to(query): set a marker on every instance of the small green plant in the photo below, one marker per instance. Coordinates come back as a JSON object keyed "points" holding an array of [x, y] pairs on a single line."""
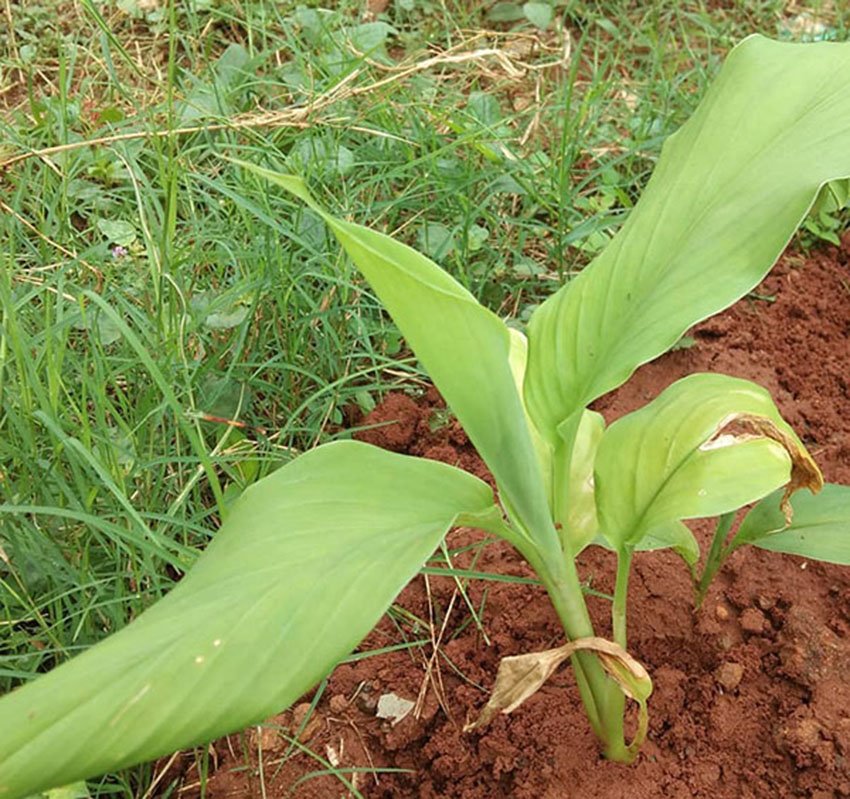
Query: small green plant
{"points": [[311, 556]]}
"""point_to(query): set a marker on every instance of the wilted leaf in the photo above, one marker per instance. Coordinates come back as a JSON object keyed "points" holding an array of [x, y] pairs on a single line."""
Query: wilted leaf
{"points": [[521, 676], [804, 471]]}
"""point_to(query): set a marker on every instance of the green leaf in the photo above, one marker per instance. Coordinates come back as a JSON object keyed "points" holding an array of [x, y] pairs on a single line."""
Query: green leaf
{"points": [[309, 21], [307, 561], [819, 528], [707, 445], [728, 192], [27, 53], [232, 67], [437, 240], [231, 72], [476, 236], [117, 231], [322, 154], [505, 12], [78, 790], [538, 14], [371, 36], [463, 346], [227, 318], [107, 331], [484, 108]]}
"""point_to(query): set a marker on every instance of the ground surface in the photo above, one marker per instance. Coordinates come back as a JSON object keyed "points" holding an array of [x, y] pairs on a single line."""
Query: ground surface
{"points": [[751, 695]]}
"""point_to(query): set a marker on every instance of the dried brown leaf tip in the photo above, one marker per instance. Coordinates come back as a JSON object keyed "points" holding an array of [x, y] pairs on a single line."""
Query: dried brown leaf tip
{"points": [[518, 678], [521, 676], [804, 471]]}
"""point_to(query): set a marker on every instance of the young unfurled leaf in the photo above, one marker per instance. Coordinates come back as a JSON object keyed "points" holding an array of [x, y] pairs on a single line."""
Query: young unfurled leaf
{"points": [[575, 508], [729, 190], [819, 527], [707, 445], [568, 468], [307, 561], [517, 360]]}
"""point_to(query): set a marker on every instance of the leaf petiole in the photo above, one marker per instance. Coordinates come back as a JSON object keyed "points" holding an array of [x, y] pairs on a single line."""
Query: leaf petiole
{"points": [[716, 556]]}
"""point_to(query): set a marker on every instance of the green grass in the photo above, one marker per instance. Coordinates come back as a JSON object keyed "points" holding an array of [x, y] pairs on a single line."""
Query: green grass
{"points": [[511, 157]]}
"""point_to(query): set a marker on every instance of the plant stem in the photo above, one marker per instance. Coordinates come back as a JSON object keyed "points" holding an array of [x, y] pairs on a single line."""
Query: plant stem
{"points": [[568, 602], [560, 577], [616, 748], [716, 555], [621, 590], [602, 698]]}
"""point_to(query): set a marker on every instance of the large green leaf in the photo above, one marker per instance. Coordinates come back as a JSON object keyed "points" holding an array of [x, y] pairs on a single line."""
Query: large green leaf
{"points": [[728, 192], [307, 561], [819, 528], [707, 445], [464, 347]]}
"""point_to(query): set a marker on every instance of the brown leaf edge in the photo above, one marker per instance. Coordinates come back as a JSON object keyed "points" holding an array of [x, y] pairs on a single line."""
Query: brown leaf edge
{"points": [[521, 676], [804, 471]]}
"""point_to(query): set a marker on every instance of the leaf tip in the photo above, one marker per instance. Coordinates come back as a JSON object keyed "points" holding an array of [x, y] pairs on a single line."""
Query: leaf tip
{"points": [[294, 184]]}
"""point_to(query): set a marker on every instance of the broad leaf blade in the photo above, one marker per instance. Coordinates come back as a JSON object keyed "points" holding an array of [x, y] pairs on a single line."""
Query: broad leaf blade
{"points": [[819, 528], [307, 561], [464, 347], [729, 190], [707, 445]]}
